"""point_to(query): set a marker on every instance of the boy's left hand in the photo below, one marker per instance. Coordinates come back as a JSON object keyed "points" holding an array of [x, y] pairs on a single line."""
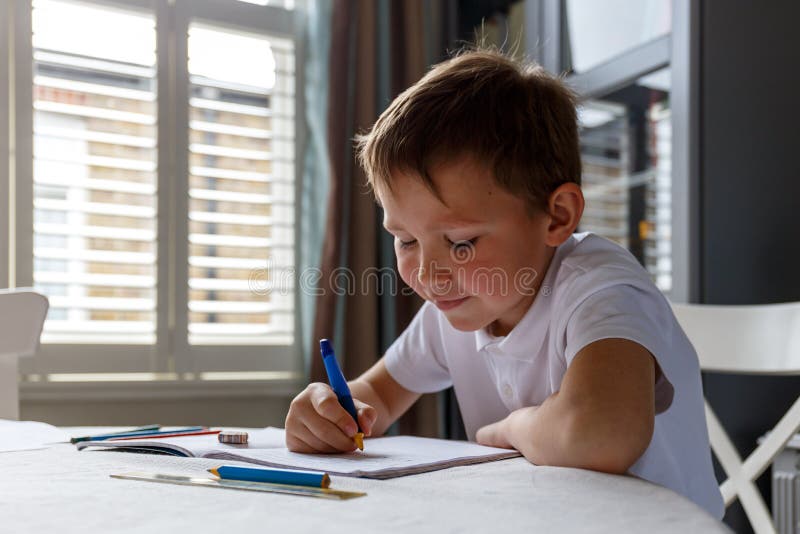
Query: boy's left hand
{"points": [[498, 434]]}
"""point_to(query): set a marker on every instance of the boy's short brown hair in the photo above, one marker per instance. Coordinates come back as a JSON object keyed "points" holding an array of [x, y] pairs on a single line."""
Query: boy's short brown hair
{"points": [[512, 116]]}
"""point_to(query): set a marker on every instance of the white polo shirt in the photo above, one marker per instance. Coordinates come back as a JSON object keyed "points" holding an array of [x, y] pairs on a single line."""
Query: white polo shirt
{"points": [[593, 289]]}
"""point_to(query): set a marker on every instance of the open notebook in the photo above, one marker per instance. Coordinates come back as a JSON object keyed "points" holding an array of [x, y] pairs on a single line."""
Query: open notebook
{"points": [[381, 458]]}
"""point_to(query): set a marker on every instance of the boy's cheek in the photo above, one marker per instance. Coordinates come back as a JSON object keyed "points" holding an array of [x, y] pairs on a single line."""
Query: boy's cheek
{"points": [[404, 270], [407, 274], [485, 280]]}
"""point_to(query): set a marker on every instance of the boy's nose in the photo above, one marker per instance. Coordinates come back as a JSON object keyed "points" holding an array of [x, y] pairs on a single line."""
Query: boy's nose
{"points": [[434, 276]]}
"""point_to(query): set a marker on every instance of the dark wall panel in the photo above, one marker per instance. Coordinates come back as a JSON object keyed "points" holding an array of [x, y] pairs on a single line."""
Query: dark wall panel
{"points": [[751, 151], [750, 188]]}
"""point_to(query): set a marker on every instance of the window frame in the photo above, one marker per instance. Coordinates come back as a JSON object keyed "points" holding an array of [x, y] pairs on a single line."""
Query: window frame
{"points": [[623, 70], [5, 152], [679, 51], [171, 357], [254, 19]]}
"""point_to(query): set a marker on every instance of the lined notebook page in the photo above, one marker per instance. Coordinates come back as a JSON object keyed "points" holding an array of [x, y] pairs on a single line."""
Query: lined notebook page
{"points": [[381, 458]]}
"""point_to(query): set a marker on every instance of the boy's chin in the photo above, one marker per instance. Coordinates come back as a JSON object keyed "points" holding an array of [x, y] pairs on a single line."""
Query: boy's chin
{"points": [[465, 324]]}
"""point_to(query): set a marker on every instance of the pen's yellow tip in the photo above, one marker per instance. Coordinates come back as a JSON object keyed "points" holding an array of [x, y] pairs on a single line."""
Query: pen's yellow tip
{"points": [[214, 471], [359, 439]]}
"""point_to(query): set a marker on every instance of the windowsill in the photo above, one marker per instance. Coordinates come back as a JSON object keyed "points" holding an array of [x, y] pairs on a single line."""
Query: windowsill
{"points": [[123, 390]]}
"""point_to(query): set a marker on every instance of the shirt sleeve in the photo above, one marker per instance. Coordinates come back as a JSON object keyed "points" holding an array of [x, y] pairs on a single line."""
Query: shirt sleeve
{"points": [[626, 312], [416, 360]]}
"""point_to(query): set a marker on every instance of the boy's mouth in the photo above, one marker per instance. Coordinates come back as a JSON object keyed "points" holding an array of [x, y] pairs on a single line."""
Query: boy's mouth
{"points": [[449, 304]]}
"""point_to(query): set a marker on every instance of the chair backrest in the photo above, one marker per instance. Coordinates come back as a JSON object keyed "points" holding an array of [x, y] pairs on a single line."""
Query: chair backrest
{"points": [[22, 314], [752, 339]]}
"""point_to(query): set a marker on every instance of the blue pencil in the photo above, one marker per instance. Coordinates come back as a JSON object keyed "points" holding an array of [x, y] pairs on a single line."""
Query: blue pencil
{"points": [[273, 476], [154, 433], [148, 428]]}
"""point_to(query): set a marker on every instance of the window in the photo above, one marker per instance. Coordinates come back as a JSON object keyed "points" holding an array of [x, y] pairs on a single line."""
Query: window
{"points": [[625, 145], [94, 172], [5, 145], [241, 188], [617, 57], [597, 32], [154, 186]]}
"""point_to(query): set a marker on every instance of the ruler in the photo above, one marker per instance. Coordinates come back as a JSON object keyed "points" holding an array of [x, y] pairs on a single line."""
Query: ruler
{"points": [[182, 480]]}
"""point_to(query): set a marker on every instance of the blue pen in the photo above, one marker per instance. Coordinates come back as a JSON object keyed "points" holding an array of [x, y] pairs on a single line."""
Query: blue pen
{"points": [[339, 386], [154, 433], [273, 476]]}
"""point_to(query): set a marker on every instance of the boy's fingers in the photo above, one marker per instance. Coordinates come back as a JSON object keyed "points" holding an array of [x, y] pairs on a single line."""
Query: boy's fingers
{"points": [[295, 444], [487, 435], [492, 436], [312, 433], [306, 442], [327, 437], [366, 417], [327, 405]]}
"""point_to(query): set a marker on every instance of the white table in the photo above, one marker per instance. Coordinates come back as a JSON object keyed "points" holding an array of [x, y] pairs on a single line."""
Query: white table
{"points": [[62, 490]]}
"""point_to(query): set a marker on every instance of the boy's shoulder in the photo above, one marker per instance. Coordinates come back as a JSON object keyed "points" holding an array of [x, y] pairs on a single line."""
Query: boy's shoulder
{"points": [[588, 263], [586, 252], [588, 255]]}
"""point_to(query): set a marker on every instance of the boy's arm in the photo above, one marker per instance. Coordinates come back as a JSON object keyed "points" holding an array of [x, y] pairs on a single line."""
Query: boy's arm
{"points": [[377, 388], [601, 419]]}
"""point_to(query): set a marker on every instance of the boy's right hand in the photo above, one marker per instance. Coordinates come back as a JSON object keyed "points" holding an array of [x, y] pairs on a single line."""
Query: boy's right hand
{"points": [[316, 422]]}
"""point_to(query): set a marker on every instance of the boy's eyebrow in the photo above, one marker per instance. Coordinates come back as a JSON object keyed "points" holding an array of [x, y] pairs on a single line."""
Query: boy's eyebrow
{"points": [[443, 223], [458, 223]]}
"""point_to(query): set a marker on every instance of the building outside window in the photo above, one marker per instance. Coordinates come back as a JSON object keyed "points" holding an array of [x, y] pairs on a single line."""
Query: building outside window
{"points": [[154, 187], [616, 54]]}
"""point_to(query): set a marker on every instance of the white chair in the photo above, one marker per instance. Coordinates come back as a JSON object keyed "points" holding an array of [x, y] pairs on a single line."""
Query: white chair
{"points": [[22, 314], [757, 340]]}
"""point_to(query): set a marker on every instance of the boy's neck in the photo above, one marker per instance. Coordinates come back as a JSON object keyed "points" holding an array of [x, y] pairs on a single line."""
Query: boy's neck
{"points": [[501, 327]]}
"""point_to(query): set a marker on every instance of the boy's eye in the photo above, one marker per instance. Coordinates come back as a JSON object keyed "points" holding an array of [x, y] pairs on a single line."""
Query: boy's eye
{"points": [[407, 244], [463, 243], [463, 250]]}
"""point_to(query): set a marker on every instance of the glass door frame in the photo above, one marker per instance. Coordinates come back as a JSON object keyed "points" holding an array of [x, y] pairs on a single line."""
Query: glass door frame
{"points": [[544, 20]]}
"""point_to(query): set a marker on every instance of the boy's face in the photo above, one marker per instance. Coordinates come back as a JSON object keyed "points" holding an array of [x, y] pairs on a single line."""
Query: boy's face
{"points": [[477, 254]]}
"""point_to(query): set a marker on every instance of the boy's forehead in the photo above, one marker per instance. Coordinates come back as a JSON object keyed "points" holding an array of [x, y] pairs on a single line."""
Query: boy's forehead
{"points": [[448, 183], [423, 208], [459, 195]]}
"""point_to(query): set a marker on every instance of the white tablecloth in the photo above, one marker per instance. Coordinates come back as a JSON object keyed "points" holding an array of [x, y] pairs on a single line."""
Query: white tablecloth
{"points": [[65, 491]]}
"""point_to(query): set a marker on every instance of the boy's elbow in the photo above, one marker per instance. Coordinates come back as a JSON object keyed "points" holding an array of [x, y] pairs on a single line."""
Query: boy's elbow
{"points": [[608, 446], [612, 462]]}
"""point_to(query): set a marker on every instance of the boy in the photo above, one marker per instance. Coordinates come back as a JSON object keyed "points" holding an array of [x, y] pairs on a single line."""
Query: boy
{"points": [[557, 345]]}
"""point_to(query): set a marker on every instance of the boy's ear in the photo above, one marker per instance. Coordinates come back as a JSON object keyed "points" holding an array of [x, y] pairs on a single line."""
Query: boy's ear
{"points": [[565, 207]]}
